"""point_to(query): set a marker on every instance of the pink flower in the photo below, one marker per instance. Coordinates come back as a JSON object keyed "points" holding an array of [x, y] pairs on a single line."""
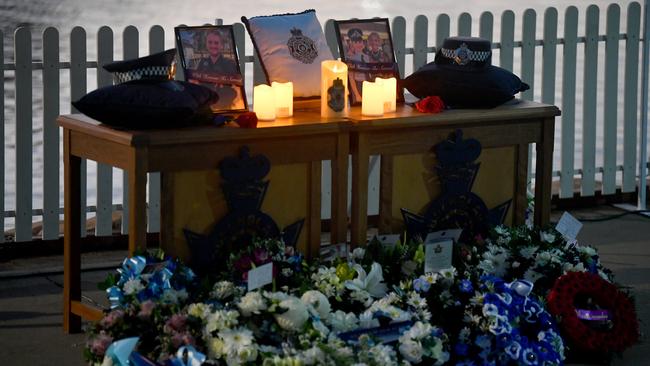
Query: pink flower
{"points": [[289, 251], [261, 256], [100, 343], [146, 308], [111, 318], [180, 339], [175, 324]]}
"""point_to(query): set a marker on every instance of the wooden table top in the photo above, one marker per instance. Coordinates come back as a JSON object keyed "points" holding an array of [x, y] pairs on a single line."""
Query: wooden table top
{"points": [[304, 122]]}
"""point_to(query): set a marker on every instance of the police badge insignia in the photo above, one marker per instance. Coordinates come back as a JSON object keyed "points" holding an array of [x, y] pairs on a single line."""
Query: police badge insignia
{"points": [[462, 55], [336, 95], [301, 47]]}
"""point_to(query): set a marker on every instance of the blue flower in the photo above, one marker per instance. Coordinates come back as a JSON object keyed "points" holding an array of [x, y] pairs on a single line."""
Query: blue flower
{"points": [[529, 357], [513, 350], [465, 286], [421, 285], [461, 349]]}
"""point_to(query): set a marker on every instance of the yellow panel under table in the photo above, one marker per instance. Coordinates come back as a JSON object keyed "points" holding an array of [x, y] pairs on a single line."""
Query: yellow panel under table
{"points": [[415, 182], [504, 133], [199, 203]]}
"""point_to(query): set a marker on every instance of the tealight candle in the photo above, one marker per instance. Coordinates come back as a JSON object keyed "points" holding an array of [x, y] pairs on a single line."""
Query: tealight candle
{"points": [[390, 93], [264, 102], [334, 89], [283, 93], [372, 99]]}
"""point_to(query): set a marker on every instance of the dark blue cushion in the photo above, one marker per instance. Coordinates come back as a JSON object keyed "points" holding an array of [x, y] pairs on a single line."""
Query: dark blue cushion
{"points": [[145, 104], [461, 87]]}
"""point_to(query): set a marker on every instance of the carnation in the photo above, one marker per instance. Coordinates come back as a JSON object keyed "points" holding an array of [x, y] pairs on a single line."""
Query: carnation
{"points": [[411, 350], [317, 303], [133, 286], [295, 316], [199, 310], [221, 320], [222, 290], [251, 303], [343, 322]]}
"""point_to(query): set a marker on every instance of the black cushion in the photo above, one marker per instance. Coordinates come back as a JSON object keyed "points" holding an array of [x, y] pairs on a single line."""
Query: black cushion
{"points": [[144, 104], [459, 87]]}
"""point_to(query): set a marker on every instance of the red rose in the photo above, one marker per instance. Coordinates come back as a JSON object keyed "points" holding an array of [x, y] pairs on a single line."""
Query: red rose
{"points": [[247, 120], [432, 104]]}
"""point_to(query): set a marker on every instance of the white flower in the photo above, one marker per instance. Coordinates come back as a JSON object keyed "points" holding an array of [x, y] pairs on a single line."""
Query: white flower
{"points": [[276, 296], [366, 320], [314, 356], [327, 282], [548, 237], [568, 267], [295, 316], [215, 347], [222, 290], [133, 286], [528, 252], [321, 328], [416, 301], [171, 296], [586, 250], [238, 345], [411, 350], [418, 331], [382, 354], [251, 303], [543, 258], [343, 322], [199, 310], [317, 303], [372, 283], [532, 276], [448, 274], [358, 253], [221, 320], [490, 310]]}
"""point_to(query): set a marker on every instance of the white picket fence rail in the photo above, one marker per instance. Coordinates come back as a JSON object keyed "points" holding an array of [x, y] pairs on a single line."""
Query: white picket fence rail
{"points": [[635, 154]]}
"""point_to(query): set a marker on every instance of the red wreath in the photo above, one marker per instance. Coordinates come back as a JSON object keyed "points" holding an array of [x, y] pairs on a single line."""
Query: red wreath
{"points": [[625, 330]]}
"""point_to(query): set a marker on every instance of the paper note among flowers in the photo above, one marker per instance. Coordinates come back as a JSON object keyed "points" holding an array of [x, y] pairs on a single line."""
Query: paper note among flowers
{"points": [[437, 254], [260, 276], [388, 241], [568, 226]]}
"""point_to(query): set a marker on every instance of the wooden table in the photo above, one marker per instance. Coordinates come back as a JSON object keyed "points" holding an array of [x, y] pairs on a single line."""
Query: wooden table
{"points": [[305, 138], [407, 131]]}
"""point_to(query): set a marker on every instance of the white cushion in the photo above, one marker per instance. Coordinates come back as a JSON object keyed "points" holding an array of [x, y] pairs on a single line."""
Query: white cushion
{"points": [[291, 47]]}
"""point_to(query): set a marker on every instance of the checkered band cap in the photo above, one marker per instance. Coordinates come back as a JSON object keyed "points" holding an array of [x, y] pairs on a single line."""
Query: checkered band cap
{"points": [[479, 56], [150, 72], [465, 51]]}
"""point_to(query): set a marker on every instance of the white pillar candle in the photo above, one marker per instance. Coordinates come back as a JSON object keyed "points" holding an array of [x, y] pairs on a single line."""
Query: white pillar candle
{"points": [[372, 99], [334, 89], [264, 102], [283, 93], [390, 93]]}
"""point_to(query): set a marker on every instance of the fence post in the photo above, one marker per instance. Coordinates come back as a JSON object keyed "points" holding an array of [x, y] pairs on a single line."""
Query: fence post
{"points": [[23, 164], [156, 44], [588, 184], [51, 166], [568, 102], [506, 53], [465, 25], [399, 43], [486, 25], [131, 49], [631, 90], [610, 123], [104, 212], [643, 159], [442, 29], [78, 87], [420, 41]]}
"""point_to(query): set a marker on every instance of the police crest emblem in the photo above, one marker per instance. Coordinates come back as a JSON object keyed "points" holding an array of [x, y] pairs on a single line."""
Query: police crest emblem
{"points": [[336, 95], [301, 47]]}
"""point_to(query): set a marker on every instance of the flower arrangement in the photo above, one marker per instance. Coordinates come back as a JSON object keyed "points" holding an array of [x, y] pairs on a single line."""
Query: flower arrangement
{"points": [[376, 306], [594, 315]]}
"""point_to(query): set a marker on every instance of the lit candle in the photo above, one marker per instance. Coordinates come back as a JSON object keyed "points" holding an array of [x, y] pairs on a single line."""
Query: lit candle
{"points": [[264, 102], [372, 99], [283, 93], [390, 93], [333, 89]]}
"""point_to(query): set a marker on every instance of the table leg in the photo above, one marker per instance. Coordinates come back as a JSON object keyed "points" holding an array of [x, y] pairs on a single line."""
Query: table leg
{"points": [[314, 179], [137, 201], [543, 172], [339, 212], [360, 158], [521, 184], [385, 194], [71, 237]]}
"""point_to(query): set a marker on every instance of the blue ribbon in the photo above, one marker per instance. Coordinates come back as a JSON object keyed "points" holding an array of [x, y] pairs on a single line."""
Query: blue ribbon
{"points": [[119, 351], [115, 296], [132, 268], [521, 287], [187, 356]]}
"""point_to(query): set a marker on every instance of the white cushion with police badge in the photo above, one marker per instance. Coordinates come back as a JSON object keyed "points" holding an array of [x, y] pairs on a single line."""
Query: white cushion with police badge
{"points": [[291, 47]]}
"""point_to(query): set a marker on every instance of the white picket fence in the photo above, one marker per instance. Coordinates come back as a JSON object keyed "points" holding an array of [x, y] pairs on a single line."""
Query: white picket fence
{"points": [[534, 53]]}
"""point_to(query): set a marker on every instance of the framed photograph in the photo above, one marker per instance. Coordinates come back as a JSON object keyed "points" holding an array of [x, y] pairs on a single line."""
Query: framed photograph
{"points": [[209, 57], [366, 46]]}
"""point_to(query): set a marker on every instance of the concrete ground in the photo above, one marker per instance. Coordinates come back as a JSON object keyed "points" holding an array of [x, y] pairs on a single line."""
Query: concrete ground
{"points": [[31, 300]]}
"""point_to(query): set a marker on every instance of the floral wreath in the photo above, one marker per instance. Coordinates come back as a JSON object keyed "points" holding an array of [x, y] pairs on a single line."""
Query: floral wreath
{"points": [[621, 333]]}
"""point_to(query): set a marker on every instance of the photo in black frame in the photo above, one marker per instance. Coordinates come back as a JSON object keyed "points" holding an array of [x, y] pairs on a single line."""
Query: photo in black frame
{"points": [[366, 46], [209, 57]]}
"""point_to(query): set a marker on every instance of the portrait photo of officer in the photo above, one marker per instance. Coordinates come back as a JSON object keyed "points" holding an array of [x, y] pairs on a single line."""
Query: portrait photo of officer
{"points": [[209, 58]]}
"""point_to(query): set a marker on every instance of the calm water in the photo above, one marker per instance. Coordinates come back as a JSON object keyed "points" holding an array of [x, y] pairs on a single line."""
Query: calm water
{"points": [[91, 14]]}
